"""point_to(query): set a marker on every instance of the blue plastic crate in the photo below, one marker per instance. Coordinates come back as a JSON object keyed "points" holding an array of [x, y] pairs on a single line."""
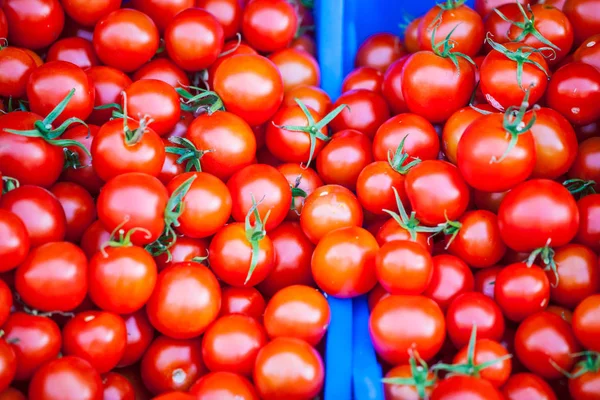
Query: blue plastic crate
{"points": [[352, 370]]}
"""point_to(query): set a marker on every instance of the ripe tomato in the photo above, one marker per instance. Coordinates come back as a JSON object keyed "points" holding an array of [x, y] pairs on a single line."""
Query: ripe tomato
{"points": [[79, 208], [401, 391], [525, 385], [297, 311], [465, 387], [154, 99], [304, 179], [586, 164], [163, 69], [186, 299], [577, 275], [485, 8], [288, 368], [365, 112], [162, 12], [75, 50], [391, 88], [12, 394], [375, 186], [246, 301], [6, 299], [411, 35], [436, 191], [378, 51], [589, 217], [96, 336], [139, 336], [451, 277], [231, 344], [311, 96], [125, 39], [34, 24], [250, 85], [116, 386], [581, 14], [223, 385], [15, 68], [184, 249], [297, 68], [53, 277], [496, 27], [8, 364], [537, 213], [585, 379], [193, 39], [589, 51], [422, 329], [88, 14], [15, 240], [455, 127], [486, 350], [404, 267], [343, 263], [227, 12], [78, 168], [543, 337], [261, 33], [94, 238], [586, 323], [521, 291], [469, 309], [363, 78], [108, 84], [66, 375], [171, 364]]}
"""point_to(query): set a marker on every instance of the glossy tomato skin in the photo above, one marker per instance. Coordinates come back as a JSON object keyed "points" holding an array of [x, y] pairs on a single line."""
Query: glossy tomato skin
{"points": [[94, 238], [521, 291], [108, 83], [170, 308], [535, 212], [194, 38], [305, 179], [586, 323], [497, 26], [363, 78], [378, 51], [75, 50], [66, 378], [88, 14], [232, 343], [6, 297], [261, 33], [84, 175], [297, 68], [223, 385], [15, 68], [246, 301], [422, 328], [125, 39], [586, 165], [116, 386], [523, 385], [139, 200], [578, 275], [436, 191], [465, 387], [250, 86], [584, 386], [33, 25], [8, 364], [589, 225], [455, 127], [312, 96], [140, 334], [404, 392], [404, 267], [451, 277], [15, 243], [374, 187], [156, 99], [544, 336], [487, 350], [391, 86], [366, 111], [343, 263], [165, 70], [288, 368], [227, 12], [171, 364], [162, 12], [184, 249], [585, 22], [588, 51], [79, 208]]}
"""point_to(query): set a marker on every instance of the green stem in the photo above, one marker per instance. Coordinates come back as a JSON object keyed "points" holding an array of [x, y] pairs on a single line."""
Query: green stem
{"points": [[411, 224], [399, 158], [546, 254], [187, 153], [254, 234], [9, 183], [580, 187], [419, 378]]}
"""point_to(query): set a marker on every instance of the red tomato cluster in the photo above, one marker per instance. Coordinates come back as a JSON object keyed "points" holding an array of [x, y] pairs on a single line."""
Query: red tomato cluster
{"points": [[179, 197]]}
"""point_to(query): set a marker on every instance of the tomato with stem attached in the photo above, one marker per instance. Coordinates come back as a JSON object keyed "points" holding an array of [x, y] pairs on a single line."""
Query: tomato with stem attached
{"points": [[457, 124], [451, 277], [312, 97], [223, 385], [365, 111], [15, 68], [261, 33], [156, 100], [303, 181], [404, 267], [378, 51]]}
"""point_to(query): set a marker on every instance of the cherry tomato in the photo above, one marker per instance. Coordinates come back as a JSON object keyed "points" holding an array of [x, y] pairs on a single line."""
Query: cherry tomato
{"points": [[6, 302], [455, 127], [586, 165], [288, 368], [88, 14], [313, 97], [363, 78], [165, 70], [405, 391], [589, 226], [495, 26], [74, 50], [66, 375], [227, 12], [586, 323], [80, 170], [589, 51], [465, 387], [581, 14], [451, 277], [108, 84], [365, 112], [184, 249], [79, 208], [230, 49], [15, 68], [297, 68], [116, 386], [15, 241], [247, 301], [223, 385], [585, 381], [486, 350], [305, 179], [391, 87], [576, 275], [261, 33], [154, 99], [35, 24], [139, 336], [378, 51], [404, 267], [525, 385], [8, 364]]}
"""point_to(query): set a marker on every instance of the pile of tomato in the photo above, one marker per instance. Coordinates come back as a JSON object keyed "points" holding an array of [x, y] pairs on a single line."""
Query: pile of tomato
{"points": [[179, 198]]}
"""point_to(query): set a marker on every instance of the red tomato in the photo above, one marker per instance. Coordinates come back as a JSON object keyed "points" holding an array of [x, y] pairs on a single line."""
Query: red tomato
{"points": [[184, 249], [577, 275], [247, 301], [15, 243], [162, 12], [15, 68], [108, 83], [261, 33], [379, 51], [455, 127], [411, 35], [538, 213], [587, 161], [231, 344], [223, 385], [404, 267], [586, 323], [139, 336], [585, 379], [35, 24], [94, 238], [186, 299], [589, 226], [343, 263], [230, 49], [391, 87], [469, 309], [165, 70], [465, 387], [250, 86], [311, 96], [116, 386], [486, 350], [365, 112], [451, 277], [297, 68], [303, 182], [589, 51], [79, 208], [422, 329], [6, 302], [156, 100], [525, 386], [8, 364], [227, 12], [74, 50], [78, 166], [582, 15], [376, 183], [409, 391], [288, 368], [87, 14], [66, 375], [486, 7], [543, 337], [126, 39], [495, 26], [363, 78], [304, 43], [171, 364]]}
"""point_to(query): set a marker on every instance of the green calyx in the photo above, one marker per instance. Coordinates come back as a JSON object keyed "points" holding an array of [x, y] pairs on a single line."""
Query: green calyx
{"points": [[580, 187], [187, 152], [399, 157], [132, 137], [254, 234], [450, 4], [411, 224], [297, 192], [469, 368], [174, 209], [313, 129], [406, 20], [120, 238], [8, 184], [514, 125], [21, 105], [546, 254], [444, 48], [449, 228], [205, 101], [43, 129], [528, 27], [590, 363], [419, 376]]}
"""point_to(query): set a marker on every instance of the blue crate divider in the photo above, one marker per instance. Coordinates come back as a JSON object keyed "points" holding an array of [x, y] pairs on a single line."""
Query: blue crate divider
{"points": [[351, 367]]}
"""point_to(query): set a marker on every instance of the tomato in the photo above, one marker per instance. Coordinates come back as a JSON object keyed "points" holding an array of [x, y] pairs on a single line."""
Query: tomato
{"points": [[125, 39], [577, 275], [247, 301], [587, 165], [469, 309], [486, 350], [451, 277], [139, 335], [581, 14], [223, 385], [163, 69], [589, 226], [297, 68], [305, 181], [343, 263], [378, 51], [227, 12], [500, 81], [66, 378], [404, 267], [423, 328], [8, 364], [524, 386], [478, 240], [34, 24], [288, 368], [174, 395], [79, 208], [574, 91], [230, 49], [116, 386], [455, 127], [537, 213], [486, 7], [465, 387], [297, 311], [74, 50], [436, 191], [231, 344], [94, 238], [88, 14], [449, 87], [305, 43], [6, 302], [261, 33], [391, 86], [365, 112], [311, 96], [184, 249], [108, 84], [171, 364], [589, 51], [121, 279], [485, 280], [78, 166], [543, 337], [3, 24], [344, 157], [51, 82], [12, 394], [585, 380], [134, 200], [496, 27], [363, 78], [408, 391], [376, 183], [15, 240], [586, 324], [15, 68], [154, 99]]}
